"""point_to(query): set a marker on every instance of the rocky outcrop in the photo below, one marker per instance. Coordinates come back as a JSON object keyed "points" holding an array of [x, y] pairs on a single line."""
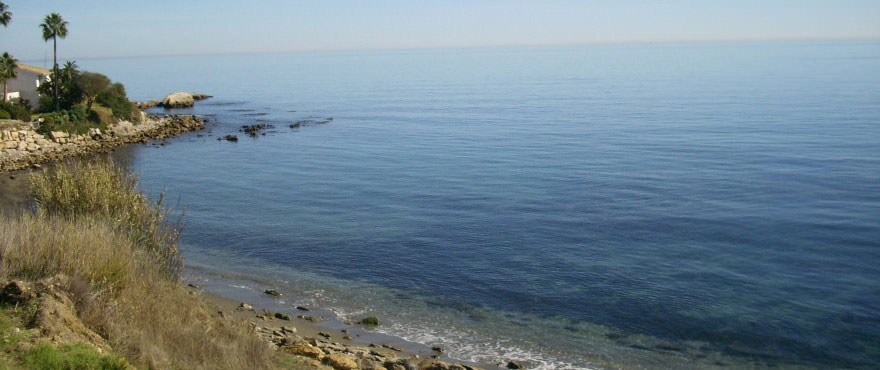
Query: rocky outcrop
{"points": [[54, 317], [178, 100], [23, 147]]}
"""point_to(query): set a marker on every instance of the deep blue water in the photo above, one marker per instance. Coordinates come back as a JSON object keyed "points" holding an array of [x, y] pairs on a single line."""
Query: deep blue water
{"points": [[660, 205]]}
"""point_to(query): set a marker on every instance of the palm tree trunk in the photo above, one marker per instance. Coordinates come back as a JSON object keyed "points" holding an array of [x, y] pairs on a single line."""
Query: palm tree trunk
{"points": [[55, 68], [4, 90]]}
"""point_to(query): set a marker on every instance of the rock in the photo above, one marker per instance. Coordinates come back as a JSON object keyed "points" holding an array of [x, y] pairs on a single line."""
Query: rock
{"points": [[369, 364], [309, 318], [324, 334], [341, 362], [438, 365], [514, 365], [287, 329], [302, 348], [245, 307], [178, 100], [301, 308], [254, 130], [200, 96], [272, 292], [229, 138], [282, 316], [147, 104], [437, 349], [370, 321]]}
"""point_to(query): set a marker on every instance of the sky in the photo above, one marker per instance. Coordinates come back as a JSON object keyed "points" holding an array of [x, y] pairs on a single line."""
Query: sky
{"points": [[121, 28]]}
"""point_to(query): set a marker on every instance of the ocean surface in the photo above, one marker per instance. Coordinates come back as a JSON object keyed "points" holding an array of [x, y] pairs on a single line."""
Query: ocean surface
{"points": [[689, 205]]}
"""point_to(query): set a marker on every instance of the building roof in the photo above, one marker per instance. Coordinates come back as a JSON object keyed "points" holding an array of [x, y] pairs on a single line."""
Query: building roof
{"points": [[33, 69]]}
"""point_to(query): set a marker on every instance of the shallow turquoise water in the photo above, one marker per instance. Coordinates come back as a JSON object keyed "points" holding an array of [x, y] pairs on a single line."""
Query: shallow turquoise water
{"points": [[667, 205]]}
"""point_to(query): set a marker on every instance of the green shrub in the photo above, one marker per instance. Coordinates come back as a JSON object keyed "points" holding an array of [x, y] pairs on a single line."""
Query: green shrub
{"points": [[17, 111], [4, 114], [70, 357], [114, 97], [77, 120]]}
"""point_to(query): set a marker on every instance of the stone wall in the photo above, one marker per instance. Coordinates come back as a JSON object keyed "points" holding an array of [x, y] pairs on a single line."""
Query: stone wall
{"points": [[25, 141], [22, 147]]}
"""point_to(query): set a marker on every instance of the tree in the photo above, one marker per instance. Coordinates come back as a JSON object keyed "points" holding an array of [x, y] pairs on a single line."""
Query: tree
{"points": [[65, 82], [53, 27], [92, 84], [5, 15], [8, 64]]}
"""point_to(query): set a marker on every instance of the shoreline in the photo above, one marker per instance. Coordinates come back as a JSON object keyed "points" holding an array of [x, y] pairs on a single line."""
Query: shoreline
{"points": [[21, 147], [299, 331]]}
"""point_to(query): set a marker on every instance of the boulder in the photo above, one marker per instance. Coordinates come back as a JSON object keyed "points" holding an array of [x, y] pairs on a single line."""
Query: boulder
{"points": [[178, 100], [200, 96], [301, 348], [341, 362]]}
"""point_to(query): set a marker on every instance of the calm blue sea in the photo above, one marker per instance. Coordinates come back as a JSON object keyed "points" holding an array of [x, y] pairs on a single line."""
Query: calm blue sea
{"points": [[687, 205]]}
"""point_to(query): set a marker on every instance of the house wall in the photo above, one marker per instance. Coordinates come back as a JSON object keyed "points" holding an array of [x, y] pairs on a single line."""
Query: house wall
{"points": [[26, 86]]}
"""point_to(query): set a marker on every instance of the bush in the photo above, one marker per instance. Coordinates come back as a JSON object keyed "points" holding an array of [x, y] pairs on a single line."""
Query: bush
{"points": [[77, 120], [114, 97], [17, 111], [4, 114]]}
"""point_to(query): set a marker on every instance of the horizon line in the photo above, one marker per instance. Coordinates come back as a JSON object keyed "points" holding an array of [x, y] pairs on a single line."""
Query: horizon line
{"points": [[487, 46]]}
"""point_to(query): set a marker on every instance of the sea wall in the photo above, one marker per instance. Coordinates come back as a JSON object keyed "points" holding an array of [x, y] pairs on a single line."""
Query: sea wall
{"points": [[22, 147]]}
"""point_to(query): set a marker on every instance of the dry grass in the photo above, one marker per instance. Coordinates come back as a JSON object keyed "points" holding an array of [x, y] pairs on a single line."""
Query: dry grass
{"points": [[93, 225], [102, 191]]}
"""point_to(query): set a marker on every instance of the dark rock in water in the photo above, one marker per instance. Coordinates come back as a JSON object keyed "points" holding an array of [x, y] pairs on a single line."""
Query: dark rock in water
{"points": [[301, 308], [437, 349], [199, 96], [254, 130], [370, 321], [309, 318], [295, 125], [194, 286], [324, 334], [514, 365], [282, 316], [229, 138], [273, 292]]}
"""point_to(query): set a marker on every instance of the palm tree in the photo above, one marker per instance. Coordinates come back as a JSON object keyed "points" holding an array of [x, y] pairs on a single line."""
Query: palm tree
{"points": [[53, 28], [8, 64], [5, 15]]}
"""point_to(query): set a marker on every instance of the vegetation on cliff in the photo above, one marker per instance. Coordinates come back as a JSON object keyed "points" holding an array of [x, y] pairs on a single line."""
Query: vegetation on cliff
{"points": [[98, 243]]}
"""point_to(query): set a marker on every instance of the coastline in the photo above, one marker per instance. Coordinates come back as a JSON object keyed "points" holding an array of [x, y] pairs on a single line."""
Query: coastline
{"points": [[21, 147], [299, 333]]}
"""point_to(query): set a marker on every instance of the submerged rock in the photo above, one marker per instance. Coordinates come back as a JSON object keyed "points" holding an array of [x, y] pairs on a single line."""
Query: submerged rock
{"points": [[254, 130], [229, 138], [200, 96], [273, 292], [282, 316]]}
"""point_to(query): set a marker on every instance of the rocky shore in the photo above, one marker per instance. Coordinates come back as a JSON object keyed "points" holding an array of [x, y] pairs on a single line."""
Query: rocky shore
{"points": [[324, 348], [22, 147]]}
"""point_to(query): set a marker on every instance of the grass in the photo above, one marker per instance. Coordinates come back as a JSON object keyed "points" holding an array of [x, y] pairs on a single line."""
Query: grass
{"points": [[70, 357], [92, 224]]}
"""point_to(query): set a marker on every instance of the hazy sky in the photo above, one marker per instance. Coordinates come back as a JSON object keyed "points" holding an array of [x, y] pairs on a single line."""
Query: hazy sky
{"points": [[160, 27]]}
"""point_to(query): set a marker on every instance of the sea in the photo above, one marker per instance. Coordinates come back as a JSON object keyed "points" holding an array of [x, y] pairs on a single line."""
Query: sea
{"points": [[646, 205]]}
